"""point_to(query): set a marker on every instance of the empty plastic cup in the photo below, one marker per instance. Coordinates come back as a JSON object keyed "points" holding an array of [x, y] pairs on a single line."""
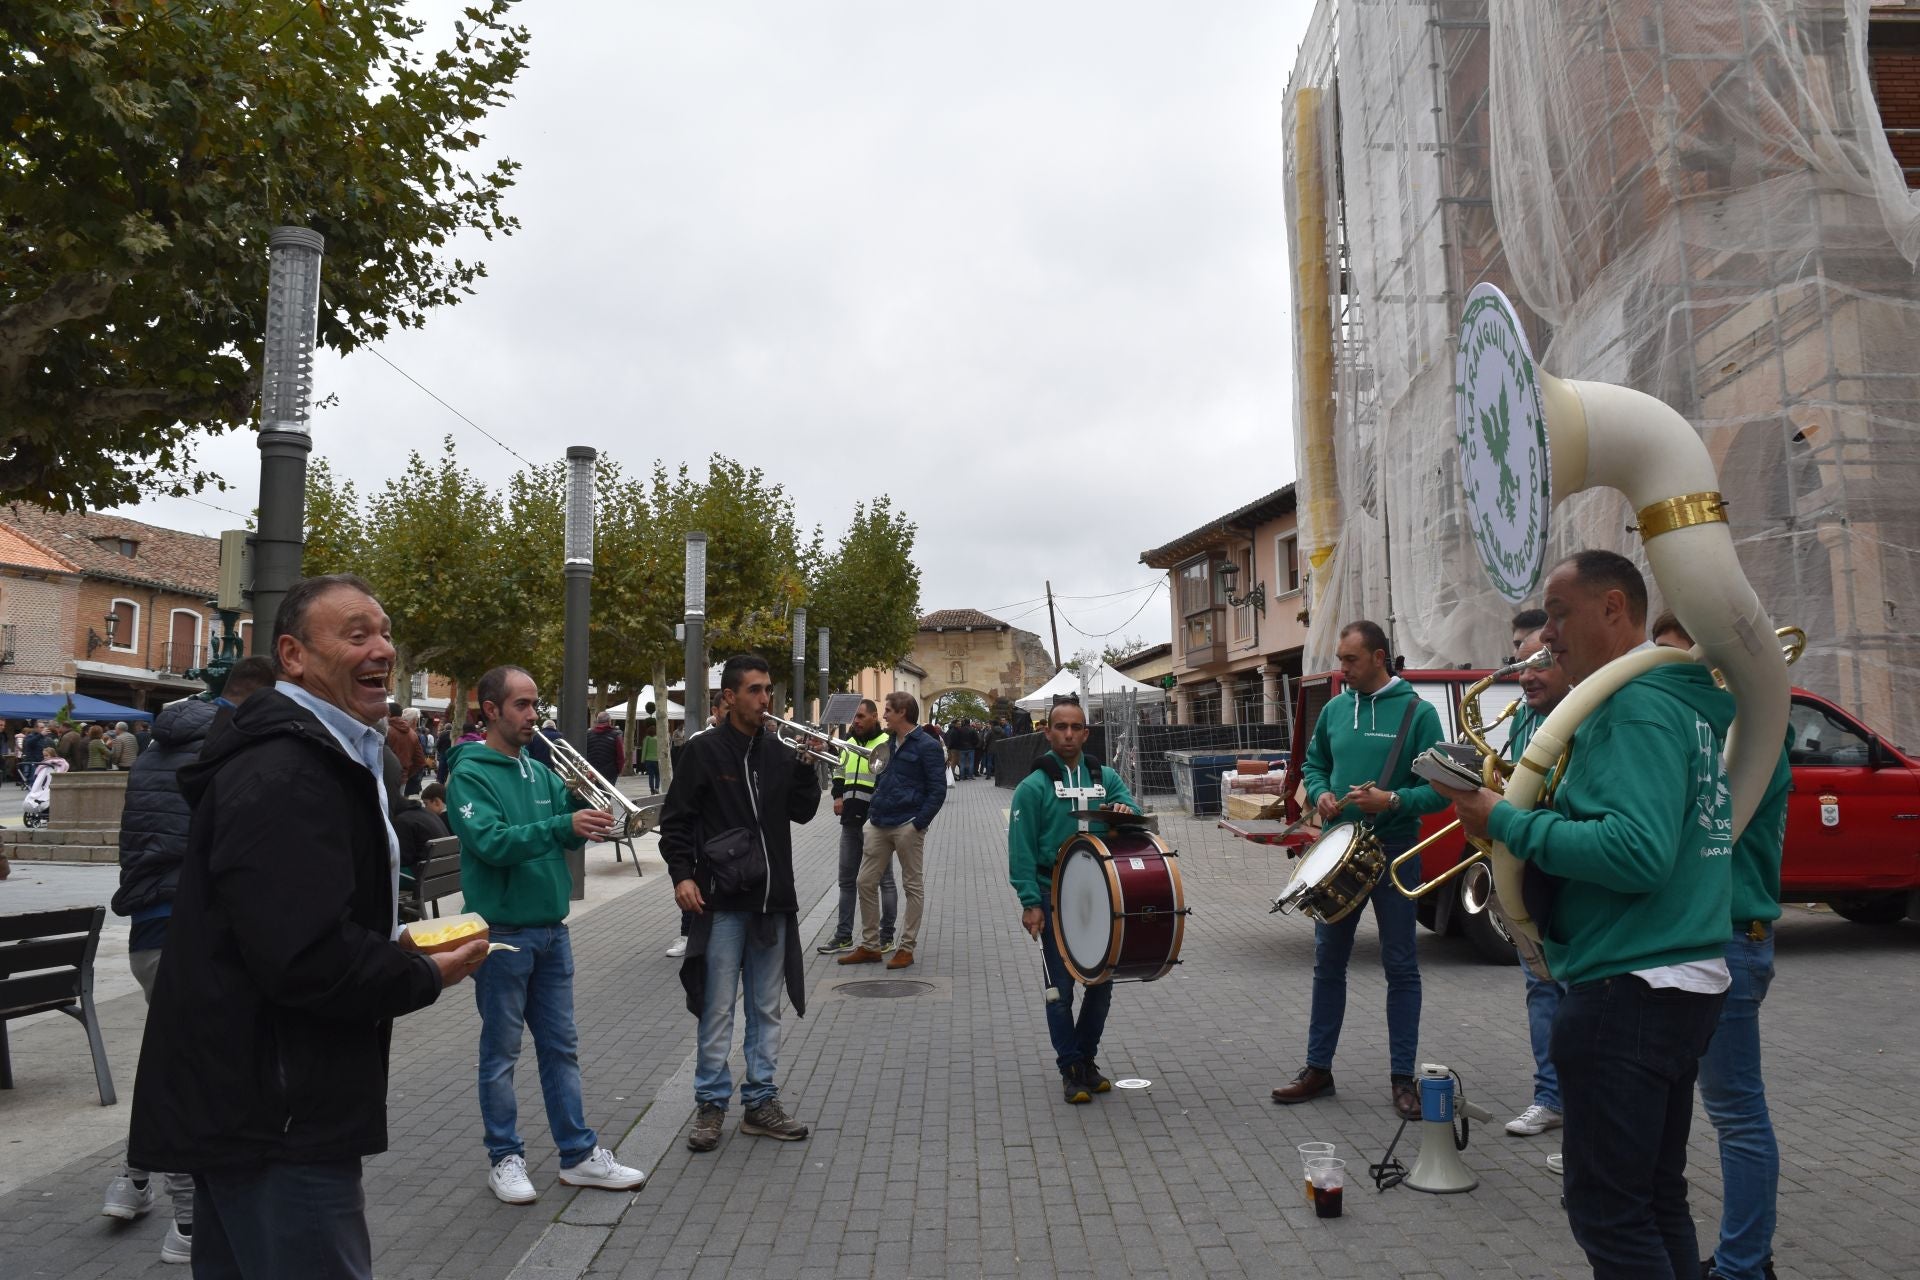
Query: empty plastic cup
{"points": [[1310, 1151]]}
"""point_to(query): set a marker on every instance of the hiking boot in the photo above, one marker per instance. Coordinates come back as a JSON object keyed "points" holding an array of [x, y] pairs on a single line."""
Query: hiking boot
{"points": [[770, 1120], [860, 955], [1311, 1083], [834, 944], [510, 1183], [127, 1199], [1090, 1073], [1406, 1098], [603, 1169], [1073, 1085], [705, 1134], [900, 959]]}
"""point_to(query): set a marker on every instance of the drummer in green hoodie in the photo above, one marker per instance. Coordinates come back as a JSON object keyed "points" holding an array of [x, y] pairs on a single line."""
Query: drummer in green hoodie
{"points": [[1640, 837], [1349, 778], [516, 821]]}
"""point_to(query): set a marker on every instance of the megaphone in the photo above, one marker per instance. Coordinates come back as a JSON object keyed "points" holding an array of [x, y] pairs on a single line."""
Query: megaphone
{"points": [[1440, 1170]]}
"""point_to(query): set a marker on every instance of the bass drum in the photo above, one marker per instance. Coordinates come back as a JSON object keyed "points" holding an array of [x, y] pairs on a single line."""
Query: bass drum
{"points": [[1119, 912]]}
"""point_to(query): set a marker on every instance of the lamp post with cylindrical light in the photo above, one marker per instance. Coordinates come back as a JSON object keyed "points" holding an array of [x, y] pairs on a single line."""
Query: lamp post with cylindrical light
{"points": [[800, 666], [578, 567], [823, 671], [696, 695], [286, 395]]}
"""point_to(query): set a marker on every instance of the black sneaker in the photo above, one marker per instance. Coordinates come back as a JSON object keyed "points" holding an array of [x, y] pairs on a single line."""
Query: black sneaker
{"points": [[770, 1120], [1090, 1072], [833, 945], [705, 1135], [1073, 1085]]}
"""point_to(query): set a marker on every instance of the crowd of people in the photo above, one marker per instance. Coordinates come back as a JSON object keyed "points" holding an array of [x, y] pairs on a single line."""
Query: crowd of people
{"points": [[28, 746], [268, 833]]}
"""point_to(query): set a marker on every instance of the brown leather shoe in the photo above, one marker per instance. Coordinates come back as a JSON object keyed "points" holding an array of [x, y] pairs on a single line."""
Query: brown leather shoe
{"points": [[899, 959], [860, 955], [1406, 1098], [1311, 1083]]}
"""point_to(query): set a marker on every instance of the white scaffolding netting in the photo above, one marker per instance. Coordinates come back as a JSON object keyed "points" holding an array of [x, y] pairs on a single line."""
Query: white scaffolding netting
{"points": [[1695, 200]]}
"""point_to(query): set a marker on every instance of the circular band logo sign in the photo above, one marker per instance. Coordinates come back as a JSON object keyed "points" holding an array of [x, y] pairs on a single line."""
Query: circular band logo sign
{"points": [[1501, 432]]}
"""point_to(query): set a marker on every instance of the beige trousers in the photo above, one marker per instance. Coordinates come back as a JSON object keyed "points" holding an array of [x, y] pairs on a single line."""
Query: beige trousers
{"points": [[882, 845]]}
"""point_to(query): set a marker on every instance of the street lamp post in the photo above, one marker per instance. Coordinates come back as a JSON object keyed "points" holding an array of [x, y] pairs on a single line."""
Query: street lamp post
{"points": [[800, 666], [286, 394], [579, 601], [823, 670], [696, 695]]}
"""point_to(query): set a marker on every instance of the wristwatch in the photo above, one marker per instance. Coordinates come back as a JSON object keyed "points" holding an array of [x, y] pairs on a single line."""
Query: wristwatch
{"points": [[1393, 802]]}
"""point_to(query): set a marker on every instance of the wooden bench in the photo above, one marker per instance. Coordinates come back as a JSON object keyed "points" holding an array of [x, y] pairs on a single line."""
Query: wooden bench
{"points": [[46, 964], [436, 878]]}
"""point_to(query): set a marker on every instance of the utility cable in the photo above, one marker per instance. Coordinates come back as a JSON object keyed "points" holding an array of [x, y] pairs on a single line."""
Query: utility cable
{"points": [[449, 408], [1122, 627]]}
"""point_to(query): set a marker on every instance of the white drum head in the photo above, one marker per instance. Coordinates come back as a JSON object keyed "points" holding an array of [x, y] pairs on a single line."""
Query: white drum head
{"points": [[1325, 856], [1085, 910]]}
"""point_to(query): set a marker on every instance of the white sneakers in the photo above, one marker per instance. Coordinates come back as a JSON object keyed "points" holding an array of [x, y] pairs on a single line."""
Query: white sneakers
{"points": [[602, 1169], [126, 1200], [1535, 1119], [1556, 1163], [177, 1248], [510, 1182], [678, 949]]}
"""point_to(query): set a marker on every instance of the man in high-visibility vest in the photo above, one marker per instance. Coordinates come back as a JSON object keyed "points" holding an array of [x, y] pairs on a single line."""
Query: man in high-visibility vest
{"points": [[852, 794]]}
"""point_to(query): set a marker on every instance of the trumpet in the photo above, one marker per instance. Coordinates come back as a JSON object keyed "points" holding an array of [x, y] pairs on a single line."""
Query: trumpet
{"points": [[1494, 771], [585, 781], [818, 743]]}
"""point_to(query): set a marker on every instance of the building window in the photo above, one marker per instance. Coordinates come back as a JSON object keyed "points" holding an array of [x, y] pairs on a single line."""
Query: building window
{"points": [[245, 631], [1199, 631], [419, 679], [1243, 614], [183, 641], [1287, 557], [1195, 589], [126, 627]]}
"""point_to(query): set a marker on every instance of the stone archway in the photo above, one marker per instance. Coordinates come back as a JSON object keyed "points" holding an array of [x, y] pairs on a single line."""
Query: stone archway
{"points": [[965, 649]]}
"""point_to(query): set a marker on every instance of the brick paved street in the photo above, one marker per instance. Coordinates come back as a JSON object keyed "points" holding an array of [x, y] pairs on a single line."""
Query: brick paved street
{"points": [[941, 1147]]}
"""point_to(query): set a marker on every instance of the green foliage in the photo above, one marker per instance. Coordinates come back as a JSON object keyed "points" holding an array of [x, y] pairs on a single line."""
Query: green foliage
{"points": [[867, 590], [958, 704], [150, 147]]}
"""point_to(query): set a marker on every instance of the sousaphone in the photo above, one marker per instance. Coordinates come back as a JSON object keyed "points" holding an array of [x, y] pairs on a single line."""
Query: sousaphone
{"points": [[1528, 441]]}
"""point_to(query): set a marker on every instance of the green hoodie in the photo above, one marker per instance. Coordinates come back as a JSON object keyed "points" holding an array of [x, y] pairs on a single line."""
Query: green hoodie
{"points": [[1640, 831], [1756, 855], [1042, 821], [1350, 742], [514, 818]]}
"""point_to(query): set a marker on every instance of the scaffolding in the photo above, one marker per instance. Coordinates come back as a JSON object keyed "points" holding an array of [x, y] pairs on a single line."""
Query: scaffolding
{"points": [[1696, 200]]}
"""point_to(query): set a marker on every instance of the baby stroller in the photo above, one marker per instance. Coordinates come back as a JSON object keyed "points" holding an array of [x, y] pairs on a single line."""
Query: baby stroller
{"points": [[38, 805]]}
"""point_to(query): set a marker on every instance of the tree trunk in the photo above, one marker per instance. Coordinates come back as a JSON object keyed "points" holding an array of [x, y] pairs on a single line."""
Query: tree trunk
{"points": [[402, 677], [661, 725], [457, 710], [630, 732]]}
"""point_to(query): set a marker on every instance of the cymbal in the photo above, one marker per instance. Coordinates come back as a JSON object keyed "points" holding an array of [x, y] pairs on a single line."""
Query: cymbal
{"points": [[1119, 817]]}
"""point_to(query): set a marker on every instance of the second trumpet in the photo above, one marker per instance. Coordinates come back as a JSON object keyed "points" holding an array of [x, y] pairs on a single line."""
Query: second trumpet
{"points": [[818, 743]]}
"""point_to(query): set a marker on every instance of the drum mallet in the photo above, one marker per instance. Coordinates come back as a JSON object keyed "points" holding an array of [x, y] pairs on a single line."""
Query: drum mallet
{"points": [[1053, 992]]}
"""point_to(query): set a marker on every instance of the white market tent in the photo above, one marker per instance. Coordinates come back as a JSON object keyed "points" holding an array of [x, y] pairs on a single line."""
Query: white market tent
{"points": [[1101, 681]]}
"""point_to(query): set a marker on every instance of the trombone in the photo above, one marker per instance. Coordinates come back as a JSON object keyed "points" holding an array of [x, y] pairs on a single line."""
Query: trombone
{"points": [[818, 743], [585, 781]]}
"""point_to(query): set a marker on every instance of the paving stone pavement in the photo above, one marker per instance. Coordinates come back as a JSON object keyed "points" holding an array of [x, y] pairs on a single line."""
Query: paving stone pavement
{"points": [[940, 1145]]}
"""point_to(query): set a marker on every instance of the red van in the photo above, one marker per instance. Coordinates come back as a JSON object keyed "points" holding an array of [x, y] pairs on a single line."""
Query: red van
{"points": [[1853, 819]]}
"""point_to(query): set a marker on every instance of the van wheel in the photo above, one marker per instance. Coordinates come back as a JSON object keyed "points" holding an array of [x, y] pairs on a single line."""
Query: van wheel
{"points": [[1478, 922], [1872, 908]]}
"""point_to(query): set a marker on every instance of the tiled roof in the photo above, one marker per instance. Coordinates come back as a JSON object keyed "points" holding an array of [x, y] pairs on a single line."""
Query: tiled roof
{"points": [[167, 558], [18, 551], [951, 619], [1266, 507]]}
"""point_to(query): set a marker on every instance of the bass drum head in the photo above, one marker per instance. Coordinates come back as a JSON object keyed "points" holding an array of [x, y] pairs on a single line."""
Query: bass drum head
{"points": [[1085, 910], [1323, 856]]}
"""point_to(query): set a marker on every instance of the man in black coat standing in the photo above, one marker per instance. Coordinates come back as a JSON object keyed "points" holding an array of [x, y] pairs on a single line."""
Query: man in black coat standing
{"points": [[727, 838], [263, 1070]]}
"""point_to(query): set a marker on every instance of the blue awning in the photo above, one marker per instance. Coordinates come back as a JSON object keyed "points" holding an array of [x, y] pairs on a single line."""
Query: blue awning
{"points": [[45, 706]]}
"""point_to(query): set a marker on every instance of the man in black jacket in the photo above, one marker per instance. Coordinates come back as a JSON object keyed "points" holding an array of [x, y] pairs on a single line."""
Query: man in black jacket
{"points": [[263, 1070], [153, 841], [726, 837]]}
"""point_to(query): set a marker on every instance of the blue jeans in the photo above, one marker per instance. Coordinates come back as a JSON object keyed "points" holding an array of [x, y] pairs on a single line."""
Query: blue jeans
{"points": [[852, 849], [284, 1221], [531, 987], [1543, 1002], [1628, 1054], [1332, 945], [1735, 1098], [1072, 1041], [734, 962]]}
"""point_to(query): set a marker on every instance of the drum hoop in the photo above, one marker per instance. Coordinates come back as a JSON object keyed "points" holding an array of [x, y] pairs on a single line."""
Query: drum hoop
{"points": [[1172, 864], [1116, 929]]}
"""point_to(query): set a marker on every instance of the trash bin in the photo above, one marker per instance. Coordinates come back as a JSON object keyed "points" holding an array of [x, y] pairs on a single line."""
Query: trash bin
{"points": [[1196, 775]]}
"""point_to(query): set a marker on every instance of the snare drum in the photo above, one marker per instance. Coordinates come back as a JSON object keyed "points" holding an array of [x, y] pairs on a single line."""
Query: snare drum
{"points": [[1119, 913], [1335, 874]]}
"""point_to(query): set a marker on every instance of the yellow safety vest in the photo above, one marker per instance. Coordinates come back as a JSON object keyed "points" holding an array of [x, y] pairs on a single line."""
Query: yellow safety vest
{"points": [[855, 772]]}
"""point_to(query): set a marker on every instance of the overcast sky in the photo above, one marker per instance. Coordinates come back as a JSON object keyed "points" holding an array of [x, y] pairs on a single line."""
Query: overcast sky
{"points": [[1021, 266]]}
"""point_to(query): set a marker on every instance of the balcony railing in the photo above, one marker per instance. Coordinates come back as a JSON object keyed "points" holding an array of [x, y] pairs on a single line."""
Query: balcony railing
{"points": [[178, 659]]}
